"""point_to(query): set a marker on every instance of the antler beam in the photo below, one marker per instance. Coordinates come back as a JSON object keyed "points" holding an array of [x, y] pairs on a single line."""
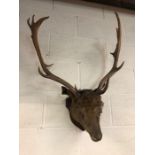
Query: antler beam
{"points": [[103, 85], [34, 27]]}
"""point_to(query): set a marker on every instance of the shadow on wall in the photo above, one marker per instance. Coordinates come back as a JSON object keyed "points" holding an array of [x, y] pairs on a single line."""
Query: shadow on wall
{"points": [[99, 4]]}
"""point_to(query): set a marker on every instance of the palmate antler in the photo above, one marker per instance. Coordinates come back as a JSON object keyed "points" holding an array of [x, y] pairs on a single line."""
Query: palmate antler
{"points": [[103, 85], [34, 27]]}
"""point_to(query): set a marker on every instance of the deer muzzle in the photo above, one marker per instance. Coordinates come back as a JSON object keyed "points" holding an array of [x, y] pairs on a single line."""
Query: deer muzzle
{"points": [[95, 133]]}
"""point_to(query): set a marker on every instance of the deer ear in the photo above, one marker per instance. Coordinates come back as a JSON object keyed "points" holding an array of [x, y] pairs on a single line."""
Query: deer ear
{"points": [[97, 92], [64, 90], [104, 89]]}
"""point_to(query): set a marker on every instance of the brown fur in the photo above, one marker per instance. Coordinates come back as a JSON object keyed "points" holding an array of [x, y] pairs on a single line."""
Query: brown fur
{"points": [[85, 111]]}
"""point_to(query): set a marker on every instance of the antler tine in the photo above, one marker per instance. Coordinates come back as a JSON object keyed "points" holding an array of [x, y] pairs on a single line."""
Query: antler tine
{"points": [[103, 85], [34, 27]]}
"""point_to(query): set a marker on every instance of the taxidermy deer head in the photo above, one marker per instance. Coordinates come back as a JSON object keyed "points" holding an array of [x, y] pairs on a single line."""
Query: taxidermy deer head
{"points": [[85, 106]]}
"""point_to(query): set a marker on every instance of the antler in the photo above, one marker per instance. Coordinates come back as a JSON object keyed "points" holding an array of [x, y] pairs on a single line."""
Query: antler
{"points": [[103, 85], [34, 27]]}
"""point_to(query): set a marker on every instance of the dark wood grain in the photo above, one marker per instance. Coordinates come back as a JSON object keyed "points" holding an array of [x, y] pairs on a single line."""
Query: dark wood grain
{"points": [[128, 4]]}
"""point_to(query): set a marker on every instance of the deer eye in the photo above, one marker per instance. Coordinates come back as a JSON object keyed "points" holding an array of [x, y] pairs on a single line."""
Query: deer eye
{"points": [[82, 116]]}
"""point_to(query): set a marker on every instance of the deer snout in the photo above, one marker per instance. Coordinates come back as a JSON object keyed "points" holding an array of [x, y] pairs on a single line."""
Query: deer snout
{"points": [[95, 134], [97, 137]]}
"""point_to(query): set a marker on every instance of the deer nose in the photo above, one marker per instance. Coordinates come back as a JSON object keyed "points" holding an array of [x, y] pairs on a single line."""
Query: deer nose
{"points": [[96, 137]]}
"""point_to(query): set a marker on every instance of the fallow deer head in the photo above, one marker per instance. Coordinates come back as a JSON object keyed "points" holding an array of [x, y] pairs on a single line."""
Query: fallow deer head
{"points": [[85, 106]]}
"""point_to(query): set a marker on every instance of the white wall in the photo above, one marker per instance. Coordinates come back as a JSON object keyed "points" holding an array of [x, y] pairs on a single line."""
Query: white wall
{"points": [[77, 39]]}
